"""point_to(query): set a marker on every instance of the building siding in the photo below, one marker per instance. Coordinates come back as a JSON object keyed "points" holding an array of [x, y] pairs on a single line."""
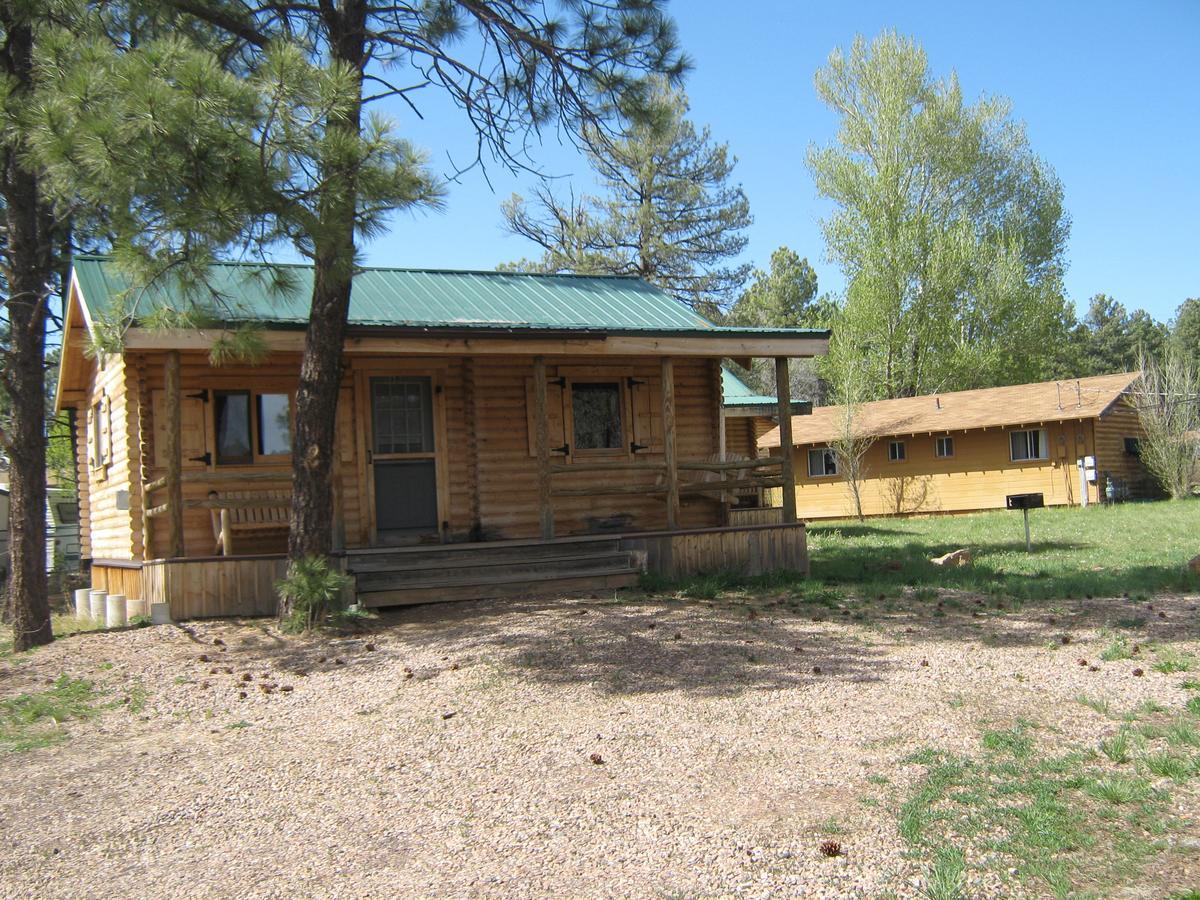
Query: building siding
{"points": [[980, 475]]}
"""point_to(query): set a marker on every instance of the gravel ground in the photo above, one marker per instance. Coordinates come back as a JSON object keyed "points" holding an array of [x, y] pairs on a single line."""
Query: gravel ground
{"points": [[579, 748]]}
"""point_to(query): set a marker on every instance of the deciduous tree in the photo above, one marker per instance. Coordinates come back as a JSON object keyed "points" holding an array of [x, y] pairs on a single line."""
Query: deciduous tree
{"points": [[1167, 397], [949, 228]]}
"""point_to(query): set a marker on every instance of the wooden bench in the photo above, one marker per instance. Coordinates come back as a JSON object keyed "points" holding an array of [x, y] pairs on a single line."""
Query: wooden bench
{"points": [[248, 513]]}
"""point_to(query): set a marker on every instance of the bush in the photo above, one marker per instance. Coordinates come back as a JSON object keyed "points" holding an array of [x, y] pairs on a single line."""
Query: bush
{"points": [[310, 593]]}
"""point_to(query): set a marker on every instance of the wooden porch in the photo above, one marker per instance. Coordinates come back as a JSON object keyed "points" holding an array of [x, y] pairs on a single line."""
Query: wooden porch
{"points": [[199, 587]]}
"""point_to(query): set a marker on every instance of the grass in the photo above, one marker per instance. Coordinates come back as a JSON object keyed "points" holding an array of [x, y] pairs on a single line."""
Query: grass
{"points": [[1132, 549], [1118, 790], [1170, 661], [1095, 704], [29, 721], [947, 877], [1120, 648], [61, 625], [1055, 823], [1116, 748], [1168, 765]]}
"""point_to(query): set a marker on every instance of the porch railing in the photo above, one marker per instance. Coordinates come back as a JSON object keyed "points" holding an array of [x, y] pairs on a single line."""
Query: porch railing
{"points": [[227, 513]]}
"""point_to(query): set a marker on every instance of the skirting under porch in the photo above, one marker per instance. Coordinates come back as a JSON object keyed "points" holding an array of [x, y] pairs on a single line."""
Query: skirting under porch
{"points": [[245, 585]]}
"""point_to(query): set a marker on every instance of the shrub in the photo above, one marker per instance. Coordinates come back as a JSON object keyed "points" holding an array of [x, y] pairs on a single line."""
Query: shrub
{"points": [[310, 593]]}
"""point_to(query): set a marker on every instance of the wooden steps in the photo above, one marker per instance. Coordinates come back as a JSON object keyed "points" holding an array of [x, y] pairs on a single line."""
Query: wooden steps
{"points": [[392, 577]]}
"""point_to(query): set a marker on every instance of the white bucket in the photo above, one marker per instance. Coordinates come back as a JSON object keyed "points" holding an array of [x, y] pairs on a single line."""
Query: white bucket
{"points": [[115, 611], [135, 607], [160, 614], [96, 604], [82, 608]]}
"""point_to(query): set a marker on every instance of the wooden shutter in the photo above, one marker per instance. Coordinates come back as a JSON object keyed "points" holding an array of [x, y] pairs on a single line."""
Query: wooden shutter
{"points": [[554, 417], [193, 430], [646, 400]]}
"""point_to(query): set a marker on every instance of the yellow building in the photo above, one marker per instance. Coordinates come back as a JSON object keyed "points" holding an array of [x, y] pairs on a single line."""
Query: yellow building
{"points": [[969, 450]]}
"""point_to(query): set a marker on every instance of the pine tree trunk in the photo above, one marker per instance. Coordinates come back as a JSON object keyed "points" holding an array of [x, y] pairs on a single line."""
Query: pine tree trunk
{"points": [[30, 263], [312, 514]]}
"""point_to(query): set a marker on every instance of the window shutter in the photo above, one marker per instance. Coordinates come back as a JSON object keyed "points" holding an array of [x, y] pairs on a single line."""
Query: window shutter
{"points": [[554, 417], [106, 432], [646, 399], [192, 431]]}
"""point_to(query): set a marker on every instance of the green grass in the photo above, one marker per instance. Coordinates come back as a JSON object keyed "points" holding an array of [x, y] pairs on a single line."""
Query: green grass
{"points": [[28, 721], [1170, 661], [1095, 704], [1134, 549], [1168, 765], [61, 625], [1099, 551], [1056, 823], [1116, 748], [1118, 649], [947, 877], [1118, 790]]}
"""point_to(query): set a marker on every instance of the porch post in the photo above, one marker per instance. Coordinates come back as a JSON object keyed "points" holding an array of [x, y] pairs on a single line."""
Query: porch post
{"points": [[783, 391], [542, 449], [669, 454], [174, 449]]}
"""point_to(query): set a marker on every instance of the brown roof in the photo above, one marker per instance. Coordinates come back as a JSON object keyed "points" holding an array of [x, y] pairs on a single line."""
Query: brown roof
{"points": [[1018, 404]]}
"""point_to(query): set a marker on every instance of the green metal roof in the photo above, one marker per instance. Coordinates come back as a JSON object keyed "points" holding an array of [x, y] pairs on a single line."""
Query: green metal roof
{"points": [[736, 392], [424, 299]]}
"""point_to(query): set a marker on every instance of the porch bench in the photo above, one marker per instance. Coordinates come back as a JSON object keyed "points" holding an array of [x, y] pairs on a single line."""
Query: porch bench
{"points": [[248, 513]]}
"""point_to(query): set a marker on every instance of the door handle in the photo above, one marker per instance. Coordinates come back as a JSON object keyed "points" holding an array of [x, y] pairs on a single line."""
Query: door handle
{"points": [[565, 449], [206, 459]]}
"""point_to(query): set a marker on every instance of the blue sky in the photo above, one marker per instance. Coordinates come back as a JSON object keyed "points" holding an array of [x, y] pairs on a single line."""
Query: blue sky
{"points": [[1109, 92]]}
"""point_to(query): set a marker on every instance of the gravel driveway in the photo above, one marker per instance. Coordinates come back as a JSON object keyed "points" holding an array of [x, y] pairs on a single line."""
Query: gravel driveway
{"points": [[580, 748]]}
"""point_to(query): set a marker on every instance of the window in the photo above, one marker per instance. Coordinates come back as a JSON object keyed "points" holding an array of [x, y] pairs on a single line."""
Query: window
{"points": [[943, 447], [1029, 444], [68, 513], [596, 412], [232, 414], [274, 425], [896, 451], [822, 461], [403, 415], [1133, 447]]}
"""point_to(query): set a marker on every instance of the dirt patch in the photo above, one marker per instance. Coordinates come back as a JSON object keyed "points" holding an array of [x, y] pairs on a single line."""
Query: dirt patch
{"points": [[578, 747]]}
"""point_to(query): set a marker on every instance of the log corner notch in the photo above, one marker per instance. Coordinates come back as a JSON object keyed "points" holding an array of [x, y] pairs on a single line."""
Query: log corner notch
{"points": [[542, 449], [783, 393]]}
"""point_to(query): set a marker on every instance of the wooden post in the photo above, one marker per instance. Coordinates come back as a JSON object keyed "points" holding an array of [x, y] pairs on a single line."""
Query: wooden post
{"points": [[174, 452], [722, 448], [542, 448], [783, 391], [669, 454]]}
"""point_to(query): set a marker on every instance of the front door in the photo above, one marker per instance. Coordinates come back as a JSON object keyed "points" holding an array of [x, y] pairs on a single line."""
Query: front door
{"points": [[403, 459]]}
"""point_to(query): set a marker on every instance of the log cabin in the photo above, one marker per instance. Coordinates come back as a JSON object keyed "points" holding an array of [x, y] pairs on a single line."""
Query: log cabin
{"points": [[498, 434], [1074, 442]]}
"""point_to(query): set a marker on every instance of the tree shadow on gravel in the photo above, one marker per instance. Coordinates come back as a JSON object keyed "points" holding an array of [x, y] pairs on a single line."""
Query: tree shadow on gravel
{"points": [[645, 645]]}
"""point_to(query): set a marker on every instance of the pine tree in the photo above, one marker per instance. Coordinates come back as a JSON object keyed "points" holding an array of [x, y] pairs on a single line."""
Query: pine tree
{"points": [[35, 236], [665, 211]]}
